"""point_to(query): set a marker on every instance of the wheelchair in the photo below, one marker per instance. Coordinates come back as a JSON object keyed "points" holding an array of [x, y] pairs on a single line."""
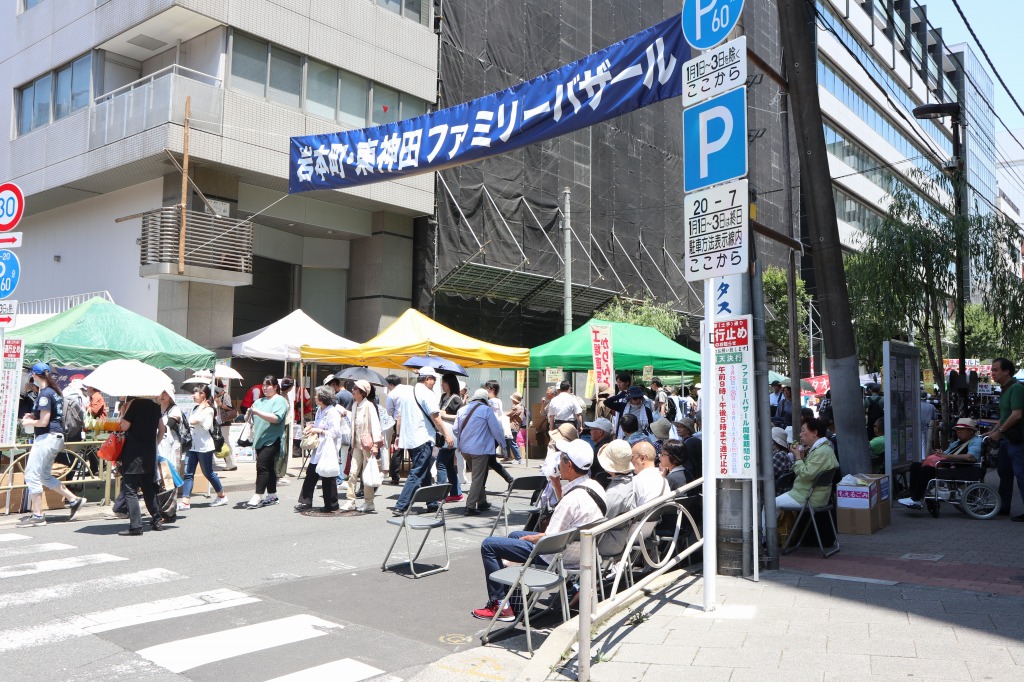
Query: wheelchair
{"points": [[962, 484]]}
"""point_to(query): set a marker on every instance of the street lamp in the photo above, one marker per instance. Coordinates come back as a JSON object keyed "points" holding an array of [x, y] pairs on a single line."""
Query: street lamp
{"points": [[955, 112]]}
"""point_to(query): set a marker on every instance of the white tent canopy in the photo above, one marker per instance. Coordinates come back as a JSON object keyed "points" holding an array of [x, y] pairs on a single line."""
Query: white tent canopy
{"points": [[282, 339]]}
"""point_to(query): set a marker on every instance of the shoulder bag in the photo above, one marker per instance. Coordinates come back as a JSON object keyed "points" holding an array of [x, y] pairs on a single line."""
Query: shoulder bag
{"points": [[111, 448], [245, 437], [439, 439]]}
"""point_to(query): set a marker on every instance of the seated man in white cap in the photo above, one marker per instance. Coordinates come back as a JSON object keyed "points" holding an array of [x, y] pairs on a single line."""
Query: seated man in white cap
{"points": [[600, 435], [966, 448], [581, 501]]}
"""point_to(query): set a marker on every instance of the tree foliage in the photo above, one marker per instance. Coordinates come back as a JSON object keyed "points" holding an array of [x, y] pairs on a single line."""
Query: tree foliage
{"points": [[776, 298], [647, 312], [985, 339], [904, 279]]}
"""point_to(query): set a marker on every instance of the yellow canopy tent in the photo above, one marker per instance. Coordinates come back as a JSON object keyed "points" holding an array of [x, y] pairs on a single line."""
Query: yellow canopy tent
{"points": [[416, 334]]}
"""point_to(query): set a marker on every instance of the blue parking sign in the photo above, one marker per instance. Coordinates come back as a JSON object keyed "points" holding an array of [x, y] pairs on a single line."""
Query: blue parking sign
{"points": [[706, 23], [715, 140]]}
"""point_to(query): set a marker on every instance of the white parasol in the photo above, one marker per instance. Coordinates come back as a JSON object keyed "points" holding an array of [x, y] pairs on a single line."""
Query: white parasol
{"points": [[129, 378], [220, 372]]}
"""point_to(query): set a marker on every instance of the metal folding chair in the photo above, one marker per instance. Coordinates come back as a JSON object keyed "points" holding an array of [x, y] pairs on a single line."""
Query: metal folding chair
{"points": [[534, 582], [432, 494], [826, 479], [530, 484]]}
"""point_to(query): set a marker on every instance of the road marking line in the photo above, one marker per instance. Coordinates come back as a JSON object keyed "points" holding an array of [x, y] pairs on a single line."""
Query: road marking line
{"points": [[344, 670], [35, 549], [126, 616], [18, 570], [855, 579], [62, 590], [13, 536], [192, 652]]}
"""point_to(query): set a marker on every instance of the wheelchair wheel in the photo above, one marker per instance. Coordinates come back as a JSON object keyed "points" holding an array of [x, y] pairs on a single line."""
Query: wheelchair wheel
{"points": [[933, 506], [980, 501]]}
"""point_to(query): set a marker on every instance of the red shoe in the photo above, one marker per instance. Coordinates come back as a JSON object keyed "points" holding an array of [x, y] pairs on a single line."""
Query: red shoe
{"points": [[454, 498], [487, 613]]}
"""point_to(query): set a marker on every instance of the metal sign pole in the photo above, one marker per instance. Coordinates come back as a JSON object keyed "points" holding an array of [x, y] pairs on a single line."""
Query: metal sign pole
{"points": [[708, 440]]}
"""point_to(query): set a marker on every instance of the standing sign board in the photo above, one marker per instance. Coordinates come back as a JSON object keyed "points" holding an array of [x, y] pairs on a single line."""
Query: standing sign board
{"points": [[715, 140], [716, 242], [706, 23], [601, 345], [733, 398], [715, 71], [10, 385], [553, 375], [902, 404]]}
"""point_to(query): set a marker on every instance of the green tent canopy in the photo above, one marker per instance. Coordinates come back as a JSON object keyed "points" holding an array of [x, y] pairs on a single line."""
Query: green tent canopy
{"points": [[89, 334], [634, 348]]}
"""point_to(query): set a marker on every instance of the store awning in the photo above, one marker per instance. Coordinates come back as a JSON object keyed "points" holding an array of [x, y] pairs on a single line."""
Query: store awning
{"points": [[416, 334]]}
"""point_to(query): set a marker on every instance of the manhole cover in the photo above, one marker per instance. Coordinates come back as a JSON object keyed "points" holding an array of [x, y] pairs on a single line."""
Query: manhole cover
{"points": [[322, 514]]}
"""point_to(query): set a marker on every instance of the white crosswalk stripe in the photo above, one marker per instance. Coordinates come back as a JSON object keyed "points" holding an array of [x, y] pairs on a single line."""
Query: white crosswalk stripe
{"points": [[65, 590], [25, 550], [345, 670], [126, 616], [19, 570], [11, 537], [193, 652]]}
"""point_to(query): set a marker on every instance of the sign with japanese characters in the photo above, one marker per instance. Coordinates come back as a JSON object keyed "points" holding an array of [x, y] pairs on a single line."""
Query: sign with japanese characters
{"points": [[10, 272], [715, 71], [707, 22], [12, 206], [717, 231], [733, 398], [633, 73], [8, 313], [601, 343], [553, 375], [10, 385], [715, 140]]}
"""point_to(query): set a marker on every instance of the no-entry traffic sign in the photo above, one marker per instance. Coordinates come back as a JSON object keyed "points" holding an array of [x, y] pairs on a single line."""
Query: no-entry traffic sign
{"points": [[12, 206]]}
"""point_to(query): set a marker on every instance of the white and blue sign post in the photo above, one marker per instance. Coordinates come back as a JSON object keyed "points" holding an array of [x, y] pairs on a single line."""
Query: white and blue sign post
{"points": [[10, 273], [715, 152]]}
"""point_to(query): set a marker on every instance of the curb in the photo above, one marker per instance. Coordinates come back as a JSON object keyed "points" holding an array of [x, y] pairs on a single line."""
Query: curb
{"points": [[558, 647]]}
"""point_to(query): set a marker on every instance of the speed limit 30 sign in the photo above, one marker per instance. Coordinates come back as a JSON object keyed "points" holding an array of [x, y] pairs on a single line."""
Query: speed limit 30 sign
{"points": [[12, 206]]}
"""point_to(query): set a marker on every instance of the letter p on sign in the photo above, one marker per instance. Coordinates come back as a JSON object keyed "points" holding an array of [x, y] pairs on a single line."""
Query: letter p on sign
{"points": [[715, 140]]}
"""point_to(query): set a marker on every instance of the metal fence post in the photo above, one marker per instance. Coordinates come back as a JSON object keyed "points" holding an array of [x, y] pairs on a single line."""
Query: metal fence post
{"points": [[586, 604]]}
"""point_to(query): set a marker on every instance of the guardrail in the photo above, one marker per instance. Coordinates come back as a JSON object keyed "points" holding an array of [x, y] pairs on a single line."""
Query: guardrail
{"points": [[593, 610], [211, 241]]}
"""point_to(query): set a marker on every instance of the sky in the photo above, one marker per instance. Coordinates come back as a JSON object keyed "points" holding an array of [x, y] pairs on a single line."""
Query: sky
{"points": [[997, 26]]}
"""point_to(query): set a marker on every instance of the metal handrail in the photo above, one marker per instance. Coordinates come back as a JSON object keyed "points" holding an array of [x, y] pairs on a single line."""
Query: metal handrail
{"points": [[211, 241], [58, 304], [146, 80], [590, 610]]}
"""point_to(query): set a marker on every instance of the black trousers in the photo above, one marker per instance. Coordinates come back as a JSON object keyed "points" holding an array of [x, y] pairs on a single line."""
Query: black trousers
{"points": [[266, 468], [329, 488], [919, 477], [130, 483], [395, 466], [493, 463]]}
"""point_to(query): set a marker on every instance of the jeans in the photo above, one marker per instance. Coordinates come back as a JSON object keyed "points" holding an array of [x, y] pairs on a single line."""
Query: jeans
{"points": [[419, 475], [205, 462], [1010, 465], [512, 449], [40, 463], [448, 471], [130, 483], [266, 461], [494, 549]]}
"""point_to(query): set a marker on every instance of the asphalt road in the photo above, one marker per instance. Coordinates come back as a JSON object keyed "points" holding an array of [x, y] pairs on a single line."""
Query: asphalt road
{"points": [[232, 594]]}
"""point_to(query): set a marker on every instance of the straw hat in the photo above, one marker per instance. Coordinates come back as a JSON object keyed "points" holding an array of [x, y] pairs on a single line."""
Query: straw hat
{"points": [[966, 423], [662, 429], [616, 457], [564, 432]]}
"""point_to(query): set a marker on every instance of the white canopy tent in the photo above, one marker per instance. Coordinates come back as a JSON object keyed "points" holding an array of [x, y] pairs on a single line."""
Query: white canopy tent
{"points": [[282, 339]]}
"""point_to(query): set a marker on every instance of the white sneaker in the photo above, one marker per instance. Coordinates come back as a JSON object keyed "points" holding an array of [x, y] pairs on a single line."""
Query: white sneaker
{"points": [[909, 502], [254, 502], [184, 506], [220, 502], [283, 481], [269, 500], [348, 506], [366, 509]]}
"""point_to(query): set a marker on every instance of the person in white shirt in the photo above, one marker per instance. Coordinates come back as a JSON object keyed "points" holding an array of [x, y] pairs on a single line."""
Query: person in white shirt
{"points": [[564, 409], [418, 421], [393, 406], [648, 483]]}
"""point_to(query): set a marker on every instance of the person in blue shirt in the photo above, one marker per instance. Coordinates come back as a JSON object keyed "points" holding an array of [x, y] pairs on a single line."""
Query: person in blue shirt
{"points": [[46, 419], [784, 410], [966, 448], [480, 435]]}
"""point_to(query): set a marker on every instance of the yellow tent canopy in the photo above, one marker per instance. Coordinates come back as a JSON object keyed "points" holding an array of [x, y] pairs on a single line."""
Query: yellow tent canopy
{"points": [[416, 334]]}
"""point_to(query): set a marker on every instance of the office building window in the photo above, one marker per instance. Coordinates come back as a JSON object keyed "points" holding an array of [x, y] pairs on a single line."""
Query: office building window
{"points": [[55, 95], [355, 91], [29, 4], [385, 105], [321, 89], [249, 65], [412, 107], [413, 9], [285, 77], [391, 5]]}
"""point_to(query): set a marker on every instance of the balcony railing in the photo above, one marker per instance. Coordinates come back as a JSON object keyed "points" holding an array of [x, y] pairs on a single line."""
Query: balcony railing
{"points": [[154, 100], [217, 250]]}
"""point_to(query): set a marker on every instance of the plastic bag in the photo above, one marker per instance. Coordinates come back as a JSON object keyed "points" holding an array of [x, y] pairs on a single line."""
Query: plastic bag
{"points": [[328, 466], [372, 477]]}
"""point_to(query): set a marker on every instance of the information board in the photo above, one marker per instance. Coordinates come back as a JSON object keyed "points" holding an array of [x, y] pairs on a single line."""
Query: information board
{"points": [[10, 393], [734, 398]]}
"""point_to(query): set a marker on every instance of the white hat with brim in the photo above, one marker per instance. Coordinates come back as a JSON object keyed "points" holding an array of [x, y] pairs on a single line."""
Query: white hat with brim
{"points": [[616, 457], [578, 451]]}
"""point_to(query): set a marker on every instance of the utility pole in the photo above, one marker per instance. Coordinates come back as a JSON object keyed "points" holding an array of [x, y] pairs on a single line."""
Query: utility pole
{"points": [[567, 284], [797, 26], [184, 189]]}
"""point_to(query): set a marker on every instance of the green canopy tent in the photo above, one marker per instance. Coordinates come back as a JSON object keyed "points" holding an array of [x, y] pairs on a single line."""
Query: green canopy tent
{"points": [[89, 334], [634, 347]]}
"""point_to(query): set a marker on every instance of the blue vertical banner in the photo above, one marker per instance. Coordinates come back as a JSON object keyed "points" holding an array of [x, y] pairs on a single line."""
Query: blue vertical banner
{"points": [[640, 70]]}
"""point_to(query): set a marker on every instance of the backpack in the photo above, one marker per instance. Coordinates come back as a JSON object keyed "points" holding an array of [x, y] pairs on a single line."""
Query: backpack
{"points": [[73, 421], [875, 409], [671, 408], [183, 432]]}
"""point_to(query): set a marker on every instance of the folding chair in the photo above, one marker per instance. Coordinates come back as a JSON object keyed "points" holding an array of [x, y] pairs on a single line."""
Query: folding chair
{"points": [[825, 479], [432, 494], [530, 484], [534, 581]]}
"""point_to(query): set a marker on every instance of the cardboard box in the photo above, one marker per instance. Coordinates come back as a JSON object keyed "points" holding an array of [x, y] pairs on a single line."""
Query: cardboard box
{"points": [[17, 495], [883, 510], [855, 521], [863, 496]]}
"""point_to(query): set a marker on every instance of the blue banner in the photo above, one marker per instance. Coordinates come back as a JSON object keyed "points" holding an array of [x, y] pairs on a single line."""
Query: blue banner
{"points": [[633, 73]]}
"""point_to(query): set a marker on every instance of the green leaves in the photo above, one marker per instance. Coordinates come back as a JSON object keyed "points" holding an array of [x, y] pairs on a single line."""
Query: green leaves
{"points": [[647, 312]]}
